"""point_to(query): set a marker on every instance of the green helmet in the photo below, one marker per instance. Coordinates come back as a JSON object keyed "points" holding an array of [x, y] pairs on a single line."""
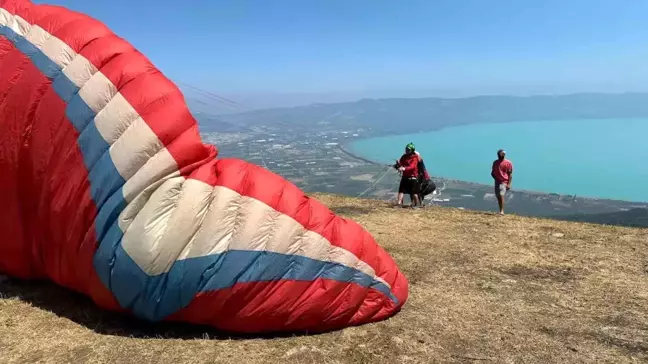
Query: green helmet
{"points": [[410, 146]]}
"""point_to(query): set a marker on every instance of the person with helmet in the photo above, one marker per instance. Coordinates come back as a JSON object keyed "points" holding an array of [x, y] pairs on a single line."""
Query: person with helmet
{"points": [[407, 165]]}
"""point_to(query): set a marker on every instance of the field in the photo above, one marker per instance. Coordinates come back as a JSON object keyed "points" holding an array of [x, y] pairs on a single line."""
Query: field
{"points": [[483, 288]]}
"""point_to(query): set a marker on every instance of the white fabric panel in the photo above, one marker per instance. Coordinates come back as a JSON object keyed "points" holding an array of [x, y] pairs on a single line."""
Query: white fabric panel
{"points": [[58, 51], [97, 91], [80, 70], [37, 36], [21, 26], [16, 23], [5, 17], [183, 219], [156, 168], [203, 220], [143, 240], [236, 222], [134, 148], [139, 200], [113, 120]]}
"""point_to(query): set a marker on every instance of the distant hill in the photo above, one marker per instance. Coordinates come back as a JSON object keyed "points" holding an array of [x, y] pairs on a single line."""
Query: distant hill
{"points": [[388, 115], [210, 123]]}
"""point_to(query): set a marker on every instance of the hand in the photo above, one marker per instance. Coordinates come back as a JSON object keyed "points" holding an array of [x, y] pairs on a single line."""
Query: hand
{"points": [[508, 187], [401, 169]]}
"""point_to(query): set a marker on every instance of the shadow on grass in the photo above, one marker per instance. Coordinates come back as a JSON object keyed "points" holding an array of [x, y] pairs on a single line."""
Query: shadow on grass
{"points": [[80, 309]]}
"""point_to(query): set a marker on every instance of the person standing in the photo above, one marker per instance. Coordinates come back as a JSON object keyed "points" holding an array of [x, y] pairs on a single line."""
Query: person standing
{"points": [[502, 173], [407, 165]]}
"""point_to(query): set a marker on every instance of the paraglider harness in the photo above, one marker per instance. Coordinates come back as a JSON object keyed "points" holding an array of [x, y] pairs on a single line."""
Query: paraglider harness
{"points": [[427, 185]]}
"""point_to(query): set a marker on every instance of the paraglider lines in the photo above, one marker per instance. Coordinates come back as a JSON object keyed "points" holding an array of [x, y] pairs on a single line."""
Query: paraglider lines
{"points": [[375, 183], [212, 95]]}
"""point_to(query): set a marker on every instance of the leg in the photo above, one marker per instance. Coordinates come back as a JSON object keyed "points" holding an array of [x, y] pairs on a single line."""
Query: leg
{"points": [[500, 191], [416, 201], [415, 189], [500, 202], [413, 199], [402, 187]]}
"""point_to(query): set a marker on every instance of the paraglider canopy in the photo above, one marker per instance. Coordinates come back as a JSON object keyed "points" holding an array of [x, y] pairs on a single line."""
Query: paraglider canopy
{"points": [[110, 191]]}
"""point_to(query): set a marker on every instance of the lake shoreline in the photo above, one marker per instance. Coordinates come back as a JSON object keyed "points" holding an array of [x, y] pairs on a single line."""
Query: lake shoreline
{"points": [[348, 148], [343, 147]]}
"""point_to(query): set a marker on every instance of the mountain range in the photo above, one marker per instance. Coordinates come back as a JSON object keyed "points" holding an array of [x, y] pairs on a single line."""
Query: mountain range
{"points": [[425, 114]]}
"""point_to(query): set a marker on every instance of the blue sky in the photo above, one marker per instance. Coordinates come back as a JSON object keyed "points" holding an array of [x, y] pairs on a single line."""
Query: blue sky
{"points": [[373, 48]]}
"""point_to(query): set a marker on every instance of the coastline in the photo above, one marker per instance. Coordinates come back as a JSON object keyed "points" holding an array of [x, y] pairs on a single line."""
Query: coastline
{"points": [[344, 148]]}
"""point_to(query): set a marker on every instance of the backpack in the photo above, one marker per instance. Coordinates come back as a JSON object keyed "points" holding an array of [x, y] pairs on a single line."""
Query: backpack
{"points": [[427, 187]]}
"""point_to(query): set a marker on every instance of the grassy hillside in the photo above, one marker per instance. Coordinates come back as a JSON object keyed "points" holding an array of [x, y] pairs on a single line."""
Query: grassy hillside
{"points": [[483, 288]]}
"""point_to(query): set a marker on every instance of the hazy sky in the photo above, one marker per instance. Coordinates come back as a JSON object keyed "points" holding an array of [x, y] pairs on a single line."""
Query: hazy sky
{"points": [[374, 48]]}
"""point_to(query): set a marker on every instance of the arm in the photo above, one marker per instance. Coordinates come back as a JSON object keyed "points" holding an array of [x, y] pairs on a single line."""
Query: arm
{"points": [[399, 164], [399, 161], [510, 177]]}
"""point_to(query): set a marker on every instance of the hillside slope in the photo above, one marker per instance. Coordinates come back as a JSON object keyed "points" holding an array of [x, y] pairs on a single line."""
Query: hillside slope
{"points": [[483, 288]]}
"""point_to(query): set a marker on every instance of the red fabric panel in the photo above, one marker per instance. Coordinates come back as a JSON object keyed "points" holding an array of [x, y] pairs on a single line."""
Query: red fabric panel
{"points": [[13, 250], [285, 305]]}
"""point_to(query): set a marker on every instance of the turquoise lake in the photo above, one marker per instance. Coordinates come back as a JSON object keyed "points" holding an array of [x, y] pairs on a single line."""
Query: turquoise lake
{"points": [[603, 158]]}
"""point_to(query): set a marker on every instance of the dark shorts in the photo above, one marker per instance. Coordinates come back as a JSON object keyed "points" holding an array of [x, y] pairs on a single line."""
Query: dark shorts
{"points": [[409, 186]]}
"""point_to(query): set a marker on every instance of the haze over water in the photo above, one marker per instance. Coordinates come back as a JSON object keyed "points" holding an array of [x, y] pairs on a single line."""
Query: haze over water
{"points": [[605, 158]]}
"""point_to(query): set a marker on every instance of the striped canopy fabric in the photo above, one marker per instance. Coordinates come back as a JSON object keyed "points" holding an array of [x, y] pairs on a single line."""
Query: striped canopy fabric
{"points": [[110, 191]]}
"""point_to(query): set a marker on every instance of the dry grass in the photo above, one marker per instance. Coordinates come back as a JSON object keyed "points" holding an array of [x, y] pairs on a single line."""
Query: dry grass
{"points": [[483, 288]]}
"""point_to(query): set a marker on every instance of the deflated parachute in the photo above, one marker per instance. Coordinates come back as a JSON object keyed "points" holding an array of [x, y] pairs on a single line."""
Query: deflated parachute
{"points": [[109, 190]]}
